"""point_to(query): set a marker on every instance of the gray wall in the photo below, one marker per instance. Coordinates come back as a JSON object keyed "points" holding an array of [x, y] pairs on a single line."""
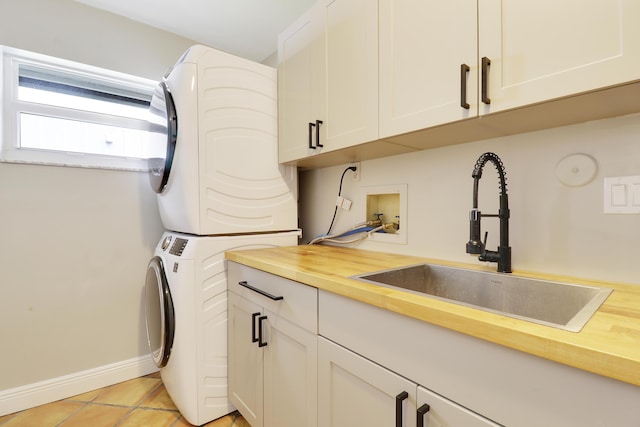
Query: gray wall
{"points": [[554, 228], [75, 242]]}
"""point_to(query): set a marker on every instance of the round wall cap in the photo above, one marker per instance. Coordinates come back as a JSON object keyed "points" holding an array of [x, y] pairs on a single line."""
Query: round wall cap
{"points": [[576, 170]]}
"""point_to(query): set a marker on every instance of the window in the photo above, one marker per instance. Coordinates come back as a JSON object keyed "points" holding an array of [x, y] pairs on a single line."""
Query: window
{"points": [[64, 113]]}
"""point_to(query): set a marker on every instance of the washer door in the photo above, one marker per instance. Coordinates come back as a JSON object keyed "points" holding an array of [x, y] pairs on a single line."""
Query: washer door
{"points": [[160, 317], [163, 127]]}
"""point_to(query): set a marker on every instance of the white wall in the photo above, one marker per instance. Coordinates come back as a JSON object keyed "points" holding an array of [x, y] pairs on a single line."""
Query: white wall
{"points": [[68, 29], [554, 228], [75, 243]]}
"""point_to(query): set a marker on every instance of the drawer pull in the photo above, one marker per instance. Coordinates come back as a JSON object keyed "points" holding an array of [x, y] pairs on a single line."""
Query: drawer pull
{"points": [[399, 399], [486, 62], [260, 291], [318, 123], [464, 70], [254, 337], [421, 413], [311, 126], [261, 343]]}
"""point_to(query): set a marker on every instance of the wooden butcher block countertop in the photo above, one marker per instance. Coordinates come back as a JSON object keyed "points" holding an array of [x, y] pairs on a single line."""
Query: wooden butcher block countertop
{"points": [[608, 345]]}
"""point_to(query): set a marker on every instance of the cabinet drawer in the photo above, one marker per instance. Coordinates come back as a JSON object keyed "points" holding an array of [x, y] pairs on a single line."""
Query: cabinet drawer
{"points": [[443, 412], [299, 302]]}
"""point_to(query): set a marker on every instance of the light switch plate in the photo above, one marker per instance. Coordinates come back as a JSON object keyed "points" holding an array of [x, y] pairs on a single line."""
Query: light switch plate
{"points": [[622, 195]]}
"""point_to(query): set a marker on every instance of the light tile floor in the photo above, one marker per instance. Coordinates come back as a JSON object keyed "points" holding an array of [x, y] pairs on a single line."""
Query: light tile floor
{"points": [[141, 402]]}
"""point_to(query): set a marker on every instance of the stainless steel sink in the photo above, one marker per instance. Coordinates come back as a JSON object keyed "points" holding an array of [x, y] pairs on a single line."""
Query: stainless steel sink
{"points": [[562, 305]]}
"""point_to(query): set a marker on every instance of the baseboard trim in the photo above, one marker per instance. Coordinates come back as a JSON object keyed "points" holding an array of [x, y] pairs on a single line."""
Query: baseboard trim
{"points": [[31, 395]]}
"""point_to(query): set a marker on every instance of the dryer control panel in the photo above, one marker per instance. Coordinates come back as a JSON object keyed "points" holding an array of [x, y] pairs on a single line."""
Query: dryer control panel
{"points": [[178, 246]]}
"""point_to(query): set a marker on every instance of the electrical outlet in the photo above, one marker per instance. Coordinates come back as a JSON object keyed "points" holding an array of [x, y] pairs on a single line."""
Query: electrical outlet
{"points": [[355, 175]]}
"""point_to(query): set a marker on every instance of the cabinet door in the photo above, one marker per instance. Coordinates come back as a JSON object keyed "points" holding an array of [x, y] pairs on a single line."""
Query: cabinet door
{"points": [[549, 49], [245, 360], [348, 103], [297, 52], [290, 375], [444, 413], [424, 46], [353, 391]]}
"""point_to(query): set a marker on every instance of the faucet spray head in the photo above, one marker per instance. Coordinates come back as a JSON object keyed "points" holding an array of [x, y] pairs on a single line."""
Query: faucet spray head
{"points": [[474, 245]]}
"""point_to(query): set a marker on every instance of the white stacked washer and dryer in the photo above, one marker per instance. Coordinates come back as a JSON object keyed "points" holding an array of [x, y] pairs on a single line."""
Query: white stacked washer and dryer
{"points": [[219, 187]]}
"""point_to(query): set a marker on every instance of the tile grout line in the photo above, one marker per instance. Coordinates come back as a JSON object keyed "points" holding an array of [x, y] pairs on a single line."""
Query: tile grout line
{"points": [[84, 404], [137, 406], [73, 413], [131, 408]]}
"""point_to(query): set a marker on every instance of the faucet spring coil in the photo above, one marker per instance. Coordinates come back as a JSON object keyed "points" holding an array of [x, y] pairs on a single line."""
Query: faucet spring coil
{"points": [[482, 161]]}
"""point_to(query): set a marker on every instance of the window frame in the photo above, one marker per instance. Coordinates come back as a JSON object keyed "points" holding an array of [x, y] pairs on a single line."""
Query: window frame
{"points": [[11, 108]]}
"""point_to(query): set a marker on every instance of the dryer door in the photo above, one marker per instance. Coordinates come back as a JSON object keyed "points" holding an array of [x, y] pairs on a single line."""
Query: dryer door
{"points": [[159, 312], [163, 126]]}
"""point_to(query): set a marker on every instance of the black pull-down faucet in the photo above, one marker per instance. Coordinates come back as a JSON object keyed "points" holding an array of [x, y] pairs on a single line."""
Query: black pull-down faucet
{"points": [[475, 246]]}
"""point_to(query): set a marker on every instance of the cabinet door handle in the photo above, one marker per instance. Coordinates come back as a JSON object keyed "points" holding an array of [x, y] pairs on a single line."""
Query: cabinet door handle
{"points": [[318, 123], [464, 70], [254, 337], [399, 399], [260, 291], [486, 62], [261, 319], [311, 126], [421, 413]]}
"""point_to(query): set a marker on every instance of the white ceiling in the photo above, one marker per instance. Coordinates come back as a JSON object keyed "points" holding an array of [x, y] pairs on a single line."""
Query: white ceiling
{"points": [[247, 28]]}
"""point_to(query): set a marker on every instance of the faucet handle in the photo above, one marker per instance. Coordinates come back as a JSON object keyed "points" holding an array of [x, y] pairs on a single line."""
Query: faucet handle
{"points": [[489, 256], [484, 252]]}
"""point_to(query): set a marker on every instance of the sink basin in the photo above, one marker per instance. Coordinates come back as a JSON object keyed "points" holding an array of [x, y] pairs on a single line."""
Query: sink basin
{"points": [[562, 305]]}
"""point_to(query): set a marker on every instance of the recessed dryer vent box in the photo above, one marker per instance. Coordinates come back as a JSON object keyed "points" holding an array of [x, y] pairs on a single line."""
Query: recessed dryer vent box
{"points": [[391, 202]]}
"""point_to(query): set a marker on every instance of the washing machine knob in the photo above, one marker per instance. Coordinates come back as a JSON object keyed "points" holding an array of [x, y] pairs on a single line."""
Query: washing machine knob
{"points": [[165, 243]]}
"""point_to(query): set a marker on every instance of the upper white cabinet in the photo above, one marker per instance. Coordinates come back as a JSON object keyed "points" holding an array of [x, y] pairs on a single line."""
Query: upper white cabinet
{"points": [[297, 100], [328, 79], [350, 97], [549, 49], [356, 71], [428, 63], [441, 62]]}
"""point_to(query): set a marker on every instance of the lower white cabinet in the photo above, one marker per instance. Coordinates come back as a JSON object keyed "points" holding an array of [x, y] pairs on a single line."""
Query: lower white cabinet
{"points": [[507, 386], [300, 357], [272, 349], [353, 391], [245, 368], [290, 376]]}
